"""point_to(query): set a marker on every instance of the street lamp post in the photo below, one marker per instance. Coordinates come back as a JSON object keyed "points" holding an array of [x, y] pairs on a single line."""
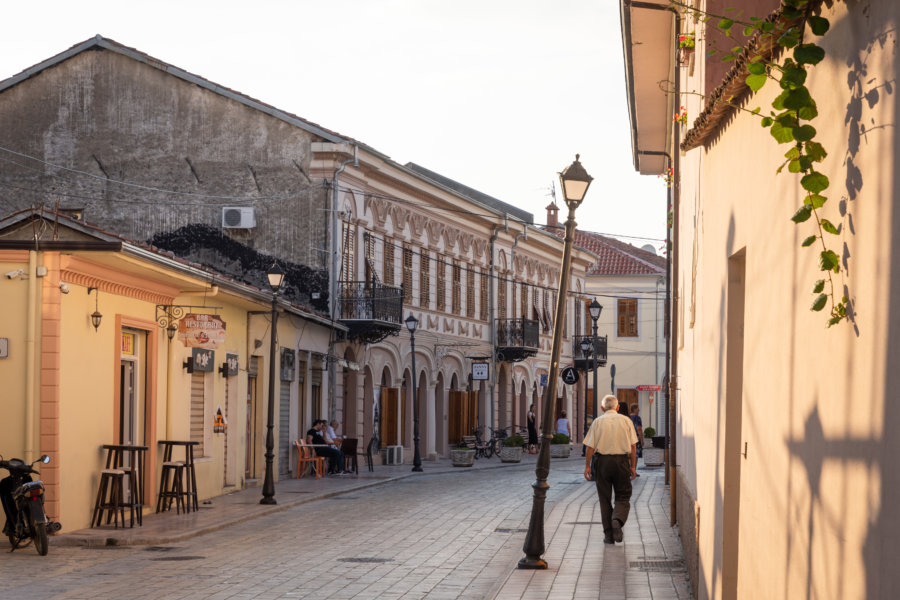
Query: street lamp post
{"points": [[594, 309], [586, 347], [574, 181], [276, 277], [412, 323]]}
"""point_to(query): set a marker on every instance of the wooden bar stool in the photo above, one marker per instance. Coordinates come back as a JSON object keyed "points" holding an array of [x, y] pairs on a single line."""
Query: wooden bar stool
{"points": [[110, 498], [171, 488]]}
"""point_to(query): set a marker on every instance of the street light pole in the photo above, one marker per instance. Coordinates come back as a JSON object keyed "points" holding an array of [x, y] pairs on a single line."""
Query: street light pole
{"points": [[276, 277], [574, 181], [595, 308], [412, 323], [586, 347]]}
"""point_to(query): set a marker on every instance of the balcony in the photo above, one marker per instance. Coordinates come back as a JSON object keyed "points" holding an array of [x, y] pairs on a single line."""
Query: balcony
{"points": [[585, 363], [517, 339], [371, 311]]}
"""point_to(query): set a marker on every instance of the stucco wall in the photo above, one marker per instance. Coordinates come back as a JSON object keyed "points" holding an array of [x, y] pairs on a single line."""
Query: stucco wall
{"points": [[118, 119], [816, 405]]}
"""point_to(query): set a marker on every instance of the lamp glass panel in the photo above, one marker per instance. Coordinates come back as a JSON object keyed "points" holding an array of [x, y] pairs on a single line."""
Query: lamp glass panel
{"points": [[575, 190]]}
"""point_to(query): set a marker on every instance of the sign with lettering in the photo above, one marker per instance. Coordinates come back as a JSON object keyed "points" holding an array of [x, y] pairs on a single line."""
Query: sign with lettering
{"points": [[480, 371], [201, 331], [569, 376], [648, 388]]}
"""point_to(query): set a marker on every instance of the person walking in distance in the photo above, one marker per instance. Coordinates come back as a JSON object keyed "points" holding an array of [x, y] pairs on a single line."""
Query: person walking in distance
{"points": [[532, 431], [611, 453]]}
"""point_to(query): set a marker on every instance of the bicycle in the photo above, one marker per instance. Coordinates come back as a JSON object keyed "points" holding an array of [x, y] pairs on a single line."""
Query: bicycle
{"points": [[482, 448], [497, 437]]}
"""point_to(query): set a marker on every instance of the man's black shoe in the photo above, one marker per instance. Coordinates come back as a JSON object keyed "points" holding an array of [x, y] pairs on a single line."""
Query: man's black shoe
{"points": [[607, 539], [617, 530]]}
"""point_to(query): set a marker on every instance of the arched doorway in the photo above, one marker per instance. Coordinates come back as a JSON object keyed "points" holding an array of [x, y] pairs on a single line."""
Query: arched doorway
{"points": [[350, 406], [440, 417], [503, 393]]}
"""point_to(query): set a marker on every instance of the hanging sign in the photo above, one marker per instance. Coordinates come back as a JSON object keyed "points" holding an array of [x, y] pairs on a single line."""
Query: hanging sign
{"points": [[480, 371], [569, 376], [543, 380], [202, 359], [220, 424], [201, 331], [648, 388]]}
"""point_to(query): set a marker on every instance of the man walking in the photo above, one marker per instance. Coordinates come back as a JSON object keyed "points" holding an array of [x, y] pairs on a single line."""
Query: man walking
{"points": [[611, 452]]}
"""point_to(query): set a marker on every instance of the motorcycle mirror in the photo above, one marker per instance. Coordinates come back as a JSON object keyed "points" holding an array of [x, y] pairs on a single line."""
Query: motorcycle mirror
{"points": [[45, 459]]}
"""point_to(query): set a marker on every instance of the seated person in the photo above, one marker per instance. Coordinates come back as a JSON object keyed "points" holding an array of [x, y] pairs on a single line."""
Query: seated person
{"points": [[330, 436], [314, 437]]}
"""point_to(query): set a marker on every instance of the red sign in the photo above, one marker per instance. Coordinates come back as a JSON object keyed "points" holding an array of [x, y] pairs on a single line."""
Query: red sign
{"points": [[648, 388], [201, 331]]}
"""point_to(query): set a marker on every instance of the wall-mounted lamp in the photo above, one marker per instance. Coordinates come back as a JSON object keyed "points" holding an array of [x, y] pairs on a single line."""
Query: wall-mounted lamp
{"points": [[171, 330], [95, 316]]}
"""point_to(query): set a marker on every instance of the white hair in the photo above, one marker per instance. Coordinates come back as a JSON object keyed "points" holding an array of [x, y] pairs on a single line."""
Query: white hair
{"points": [[609, 402]]}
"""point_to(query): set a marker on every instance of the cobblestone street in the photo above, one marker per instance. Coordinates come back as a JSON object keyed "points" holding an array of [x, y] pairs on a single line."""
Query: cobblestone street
{"points": [[446, 535]]}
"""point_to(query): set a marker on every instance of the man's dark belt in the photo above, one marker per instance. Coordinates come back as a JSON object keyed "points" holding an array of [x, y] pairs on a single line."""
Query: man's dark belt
{"points": [[598, 454]]}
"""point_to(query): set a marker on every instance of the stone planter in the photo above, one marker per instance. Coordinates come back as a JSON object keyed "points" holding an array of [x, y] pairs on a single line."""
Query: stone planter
{"points": [[510, 454], [654, 457], [462, 457], [560, 450]]}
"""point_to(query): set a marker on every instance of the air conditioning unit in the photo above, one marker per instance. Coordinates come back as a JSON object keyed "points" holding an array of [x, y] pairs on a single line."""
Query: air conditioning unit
{"points": [[392, 455], [238, 217]]}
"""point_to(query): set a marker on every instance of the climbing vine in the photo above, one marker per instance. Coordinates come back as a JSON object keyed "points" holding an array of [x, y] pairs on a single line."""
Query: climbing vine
{"points": [[790, 116]]}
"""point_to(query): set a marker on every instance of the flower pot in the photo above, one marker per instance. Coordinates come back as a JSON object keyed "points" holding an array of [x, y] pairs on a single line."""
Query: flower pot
{"points": [[510, 454], [462, 457], [654, 457], [560, 450]]}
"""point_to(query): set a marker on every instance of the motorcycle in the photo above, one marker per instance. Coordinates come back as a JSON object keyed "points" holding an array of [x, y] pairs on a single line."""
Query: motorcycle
{"points": [[23, 500]]}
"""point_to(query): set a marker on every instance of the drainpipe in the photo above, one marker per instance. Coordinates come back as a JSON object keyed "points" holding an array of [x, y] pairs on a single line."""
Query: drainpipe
{"points": [[491, 316], [512, 262], [671, 263], [30, 366], [335, 271]]}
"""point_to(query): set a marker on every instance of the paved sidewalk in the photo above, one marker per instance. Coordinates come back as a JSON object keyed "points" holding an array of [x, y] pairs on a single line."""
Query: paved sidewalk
{"points": [[649, 563]]}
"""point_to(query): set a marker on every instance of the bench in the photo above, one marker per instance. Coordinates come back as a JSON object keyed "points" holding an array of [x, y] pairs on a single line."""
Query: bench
{"points": [[468, 441]]}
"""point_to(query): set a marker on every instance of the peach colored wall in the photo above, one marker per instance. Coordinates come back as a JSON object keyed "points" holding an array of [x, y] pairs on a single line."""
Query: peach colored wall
{"points": [[816, 517]]}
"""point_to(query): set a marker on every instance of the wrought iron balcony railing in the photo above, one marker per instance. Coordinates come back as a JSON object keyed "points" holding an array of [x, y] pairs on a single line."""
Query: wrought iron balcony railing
{"points": [[585, 361], [370, 309], [517, 339]]}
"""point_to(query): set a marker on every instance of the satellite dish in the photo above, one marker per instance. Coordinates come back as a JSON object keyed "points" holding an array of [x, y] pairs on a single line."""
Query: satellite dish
{"points": [[649, 248]]}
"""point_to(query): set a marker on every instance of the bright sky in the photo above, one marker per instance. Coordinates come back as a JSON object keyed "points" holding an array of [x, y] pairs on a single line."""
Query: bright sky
{"points": [[497, 94]]}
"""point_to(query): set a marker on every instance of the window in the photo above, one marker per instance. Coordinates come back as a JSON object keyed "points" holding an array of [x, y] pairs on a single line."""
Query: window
{"points": [[407, 275], [457, 293], [369, 242], [388, 262], [348, 263], [441, 284], [424, 280], [484, 296], [523, 301], [470, 292], [501, 298], [627, 313]]}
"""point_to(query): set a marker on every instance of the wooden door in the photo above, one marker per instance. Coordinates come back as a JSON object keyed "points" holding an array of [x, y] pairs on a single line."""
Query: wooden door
{"points": [[626, 397], [390, 399]]}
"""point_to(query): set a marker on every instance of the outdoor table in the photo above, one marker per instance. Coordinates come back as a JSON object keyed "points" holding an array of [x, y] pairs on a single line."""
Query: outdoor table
{"points": [[129, 458], [191, 483]]}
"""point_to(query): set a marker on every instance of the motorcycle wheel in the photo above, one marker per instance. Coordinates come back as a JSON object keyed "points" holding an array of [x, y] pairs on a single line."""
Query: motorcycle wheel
{"points": [[39, 534]]}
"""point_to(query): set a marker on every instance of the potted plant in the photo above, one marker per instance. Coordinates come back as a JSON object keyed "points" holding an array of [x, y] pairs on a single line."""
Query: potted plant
{"points": [[559, 446], [462, 456], [655, 455], [686, 43], [511, 449]]}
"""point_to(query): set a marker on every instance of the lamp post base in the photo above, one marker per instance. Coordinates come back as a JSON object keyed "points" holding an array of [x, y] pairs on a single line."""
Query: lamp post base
{"points": [[418, 468], [268, 501], [530, 562]]}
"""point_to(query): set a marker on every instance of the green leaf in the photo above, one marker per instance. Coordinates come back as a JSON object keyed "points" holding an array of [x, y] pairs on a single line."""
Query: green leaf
{"points": [[809, 241], [767, 27], [809, 54], [756, 68], [755, 111], [820, 284], [793, 77], [795, 167], [835, 320], [765, 121], [789, 38], [819, 303], [828, 261], [748, 30], [803, 213], [726, 24], [755, 82], [797, 99], [818, 25], [804, 133], [793, 153], [815, 151], [815, 200], [814, 182], [782, 134], [828, 226], [809, 112]]}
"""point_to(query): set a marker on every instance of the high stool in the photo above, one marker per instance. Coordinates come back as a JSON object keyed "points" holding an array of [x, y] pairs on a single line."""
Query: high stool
{"points": [[173, 490], [109, 498]]}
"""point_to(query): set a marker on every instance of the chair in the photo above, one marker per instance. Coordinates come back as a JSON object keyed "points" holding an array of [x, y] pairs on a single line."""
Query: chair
{"points": [[307, 457], [110, 498], [348, 447], [371, 448]]}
